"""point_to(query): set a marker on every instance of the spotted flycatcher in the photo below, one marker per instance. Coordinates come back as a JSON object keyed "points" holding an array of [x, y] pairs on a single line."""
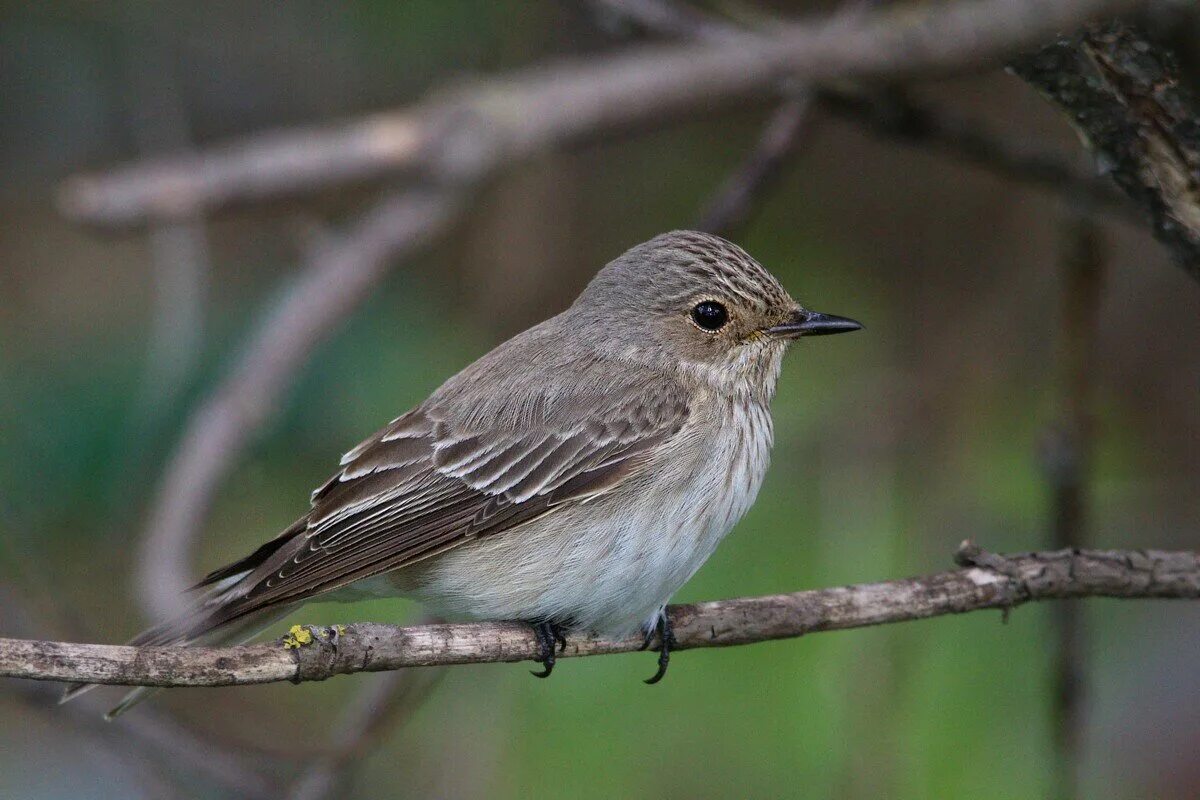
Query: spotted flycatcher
{"points": [[574, 477]]}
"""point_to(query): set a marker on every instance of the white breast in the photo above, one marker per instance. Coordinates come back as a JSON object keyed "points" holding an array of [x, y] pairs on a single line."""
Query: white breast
{"points": [[611, 564]]}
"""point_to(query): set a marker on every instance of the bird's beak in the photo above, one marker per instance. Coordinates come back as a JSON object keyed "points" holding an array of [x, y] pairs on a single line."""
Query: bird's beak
{"points": [[812, 323]]}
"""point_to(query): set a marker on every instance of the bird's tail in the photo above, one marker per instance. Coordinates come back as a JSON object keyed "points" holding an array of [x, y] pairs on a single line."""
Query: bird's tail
{"points": [[201, 624], [211, 619]]}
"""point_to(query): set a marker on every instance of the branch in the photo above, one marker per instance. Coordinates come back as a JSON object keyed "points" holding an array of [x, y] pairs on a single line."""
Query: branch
{"points": [[1066, 460], [340, 273], [734, 200], [1125, 99], [381, 707], [466, 133], [889, 112], [667, 17], [900, 117], [155, 736], [986, 581]]}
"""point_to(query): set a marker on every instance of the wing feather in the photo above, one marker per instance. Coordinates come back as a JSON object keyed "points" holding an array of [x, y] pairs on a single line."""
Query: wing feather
{"points": [[426, 483]]}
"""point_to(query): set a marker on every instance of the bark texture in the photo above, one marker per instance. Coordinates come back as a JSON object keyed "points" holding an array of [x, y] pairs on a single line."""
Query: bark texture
{"points": [[986, 580]]}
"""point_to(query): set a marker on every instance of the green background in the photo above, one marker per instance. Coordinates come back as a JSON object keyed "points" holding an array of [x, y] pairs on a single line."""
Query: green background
{"points": [[893, 445]]}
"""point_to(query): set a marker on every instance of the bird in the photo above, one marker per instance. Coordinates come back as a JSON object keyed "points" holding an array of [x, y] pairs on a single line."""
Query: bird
{"points": [[572, 478]]}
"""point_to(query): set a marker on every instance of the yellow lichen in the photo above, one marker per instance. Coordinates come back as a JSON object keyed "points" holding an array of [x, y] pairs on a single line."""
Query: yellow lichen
{"points": [[297, 636]]}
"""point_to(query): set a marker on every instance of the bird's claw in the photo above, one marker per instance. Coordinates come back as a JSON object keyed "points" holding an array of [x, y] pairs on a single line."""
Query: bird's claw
{"points": [[667, 643], [548, 636]]}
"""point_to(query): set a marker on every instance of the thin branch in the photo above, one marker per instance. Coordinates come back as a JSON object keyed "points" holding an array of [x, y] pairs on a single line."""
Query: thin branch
{"points": [[889, 112], [731, 205], [1124, 98], [676, 19], [1066, 458], [986, 581], [468, 132], [156, 737], [898, 116], [378, 709], [340, 273], [150, 739]]}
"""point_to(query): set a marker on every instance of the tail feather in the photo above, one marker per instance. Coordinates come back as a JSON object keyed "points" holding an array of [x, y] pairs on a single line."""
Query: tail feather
{"points": [[202, 624], [73, 690], [214, 617], [241, 567], [130, 700]]}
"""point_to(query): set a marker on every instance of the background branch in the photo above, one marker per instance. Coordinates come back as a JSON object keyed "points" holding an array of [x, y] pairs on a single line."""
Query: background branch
{"points": [[338, 276], [732, 204], [890, 112], [1066, 461], [986, 581], [670, 18], [375, 711], [1126, 101], [463, 134], [894, 114]]}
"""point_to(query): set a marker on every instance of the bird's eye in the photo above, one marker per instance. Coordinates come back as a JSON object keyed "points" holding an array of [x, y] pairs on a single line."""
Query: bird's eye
{"points": [[710, 315]]}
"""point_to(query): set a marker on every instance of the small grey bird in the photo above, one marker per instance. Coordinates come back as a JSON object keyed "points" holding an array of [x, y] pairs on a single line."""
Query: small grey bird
{"points": [[574, 477]]}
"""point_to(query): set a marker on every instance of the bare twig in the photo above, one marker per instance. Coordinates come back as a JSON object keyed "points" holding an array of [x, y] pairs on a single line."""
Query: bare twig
{"points": [[339, 274], [178, 249], [1125, 100], [898, 116], [731, 205], [157, 737], [379, 708], [987, 581], [676, 19], [1066, 458], [150, 740], [890, 112], [477, 128]]}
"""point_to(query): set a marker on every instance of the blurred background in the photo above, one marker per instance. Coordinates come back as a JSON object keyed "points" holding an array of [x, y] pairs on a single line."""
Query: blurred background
{"points": [[892, 445]]}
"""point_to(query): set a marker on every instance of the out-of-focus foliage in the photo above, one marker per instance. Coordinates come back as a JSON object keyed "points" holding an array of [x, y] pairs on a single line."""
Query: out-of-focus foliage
{"points": [[892, 445]]}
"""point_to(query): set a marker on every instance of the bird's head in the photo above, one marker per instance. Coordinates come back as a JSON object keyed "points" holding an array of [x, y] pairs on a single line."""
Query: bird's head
{"points": [[702, 304]]}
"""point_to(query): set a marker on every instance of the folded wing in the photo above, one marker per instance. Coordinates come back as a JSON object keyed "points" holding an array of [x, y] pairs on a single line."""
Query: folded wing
{"points": [[423, 485]]}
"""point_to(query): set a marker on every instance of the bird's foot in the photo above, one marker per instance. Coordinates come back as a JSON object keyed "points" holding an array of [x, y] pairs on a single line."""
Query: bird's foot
{"points": [[549, 635], [666, 637]]}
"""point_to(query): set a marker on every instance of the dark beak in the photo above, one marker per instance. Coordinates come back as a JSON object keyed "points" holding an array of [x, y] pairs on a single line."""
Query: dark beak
{"points": [[812, 323]]}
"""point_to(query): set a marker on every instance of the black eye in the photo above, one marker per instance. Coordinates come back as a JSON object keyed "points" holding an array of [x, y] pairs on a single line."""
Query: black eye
{"points": [[710, 315]]}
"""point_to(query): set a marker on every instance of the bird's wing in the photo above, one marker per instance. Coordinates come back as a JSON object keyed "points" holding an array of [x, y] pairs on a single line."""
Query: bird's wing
{"points": [[420, 486]]}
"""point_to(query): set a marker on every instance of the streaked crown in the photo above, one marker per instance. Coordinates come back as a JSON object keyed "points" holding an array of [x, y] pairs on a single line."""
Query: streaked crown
{"points": [[673, 267], [689, 303]]}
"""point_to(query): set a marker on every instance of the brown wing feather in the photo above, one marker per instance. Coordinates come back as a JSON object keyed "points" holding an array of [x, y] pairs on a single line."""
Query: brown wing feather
{"points": [[419, 487]]}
